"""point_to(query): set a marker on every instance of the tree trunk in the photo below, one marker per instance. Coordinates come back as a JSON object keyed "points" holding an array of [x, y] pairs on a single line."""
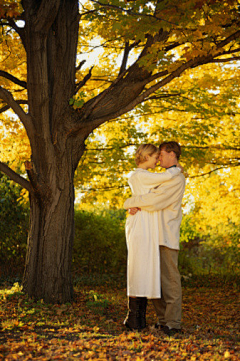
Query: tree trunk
{"points": [[47, 273], [48, 264], [50, 40]]}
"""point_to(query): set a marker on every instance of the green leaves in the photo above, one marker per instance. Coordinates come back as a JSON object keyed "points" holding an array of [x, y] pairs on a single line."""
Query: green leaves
{"points": [[13, 226], [97, 303], [78, 101]]}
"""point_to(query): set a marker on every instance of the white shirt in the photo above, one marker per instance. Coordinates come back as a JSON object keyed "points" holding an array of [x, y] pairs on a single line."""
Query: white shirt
{"points": [[167, 200]]}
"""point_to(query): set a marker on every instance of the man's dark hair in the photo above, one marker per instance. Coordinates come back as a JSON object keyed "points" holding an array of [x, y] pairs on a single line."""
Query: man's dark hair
{"points": [[171, 147]]}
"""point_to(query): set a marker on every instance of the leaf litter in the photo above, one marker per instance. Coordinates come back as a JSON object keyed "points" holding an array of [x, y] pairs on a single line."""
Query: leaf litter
{"points": [[91, 328]]}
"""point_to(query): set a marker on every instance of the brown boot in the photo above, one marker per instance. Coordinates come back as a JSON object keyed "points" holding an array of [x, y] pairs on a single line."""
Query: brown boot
{"points": [[132, 320]]}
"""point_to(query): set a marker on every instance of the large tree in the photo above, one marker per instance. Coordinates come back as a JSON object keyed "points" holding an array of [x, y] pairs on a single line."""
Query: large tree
{"points": [[166, 38]]}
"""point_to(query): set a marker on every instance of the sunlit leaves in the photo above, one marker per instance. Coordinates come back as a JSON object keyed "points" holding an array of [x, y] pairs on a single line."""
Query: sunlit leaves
{"points": [[14, 146], [193, 27], [10, 8]]}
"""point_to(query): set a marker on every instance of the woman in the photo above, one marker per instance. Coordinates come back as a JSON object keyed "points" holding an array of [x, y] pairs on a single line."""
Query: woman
{"points": [[142, 239]]}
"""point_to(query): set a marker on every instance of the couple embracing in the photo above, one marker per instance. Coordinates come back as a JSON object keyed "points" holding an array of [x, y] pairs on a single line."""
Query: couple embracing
{"points": [[152, 233]]}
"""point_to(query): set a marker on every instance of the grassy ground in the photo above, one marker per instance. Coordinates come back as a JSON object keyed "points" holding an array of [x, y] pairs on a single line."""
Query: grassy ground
{"points": [[91, 327]]}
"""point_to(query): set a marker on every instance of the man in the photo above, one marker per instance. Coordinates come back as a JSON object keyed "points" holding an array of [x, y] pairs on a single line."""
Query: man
{"points": [[167, 200]]}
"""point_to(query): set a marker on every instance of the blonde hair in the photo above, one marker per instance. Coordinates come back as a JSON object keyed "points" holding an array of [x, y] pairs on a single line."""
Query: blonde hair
{"points": [[143, 151]]}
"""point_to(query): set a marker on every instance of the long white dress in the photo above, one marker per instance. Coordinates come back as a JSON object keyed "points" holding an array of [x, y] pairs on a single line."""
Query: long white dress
{"points": [[143, 267]]}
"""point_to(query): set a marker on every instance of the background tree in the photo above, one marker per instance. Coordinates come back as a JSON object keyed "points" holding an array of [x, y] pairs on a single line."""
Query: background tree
{"points": [[165, 39]]}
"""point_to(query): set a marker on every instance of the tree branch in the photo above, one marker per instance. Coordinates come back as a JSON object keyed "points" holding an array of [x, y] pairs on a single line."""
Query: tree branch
{"points": [[127, 50], [230, 38], [214, 170], [163, 96], [12, 78], [130, 12], [25, 118], [176, 73], [125, 58], [140, 83], [111, 148], [195, 62], [6, 107], [15, 177], [118, 186], [96, 122], [80, 65], [219, 147], [83, 82], [103, 94], [158, 75], [219, 46], [227, 60]]}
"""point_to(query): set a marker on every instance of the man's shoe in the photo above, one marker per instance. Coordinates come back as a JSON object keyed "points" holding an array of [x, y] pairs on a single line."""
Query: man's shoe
{"points": [[158, 326], [170, 331]]}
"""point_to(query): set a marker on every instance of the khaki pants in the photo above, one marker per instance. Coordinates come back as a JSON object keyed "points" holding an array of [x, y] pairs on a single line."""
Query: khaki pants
{"points": [[169, 307]]}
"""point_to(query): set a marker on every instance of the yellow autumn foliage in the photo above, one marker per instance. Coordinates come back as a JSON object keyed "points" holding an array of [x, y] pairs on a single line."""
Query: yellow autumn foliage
{"points": [[200, 109]]}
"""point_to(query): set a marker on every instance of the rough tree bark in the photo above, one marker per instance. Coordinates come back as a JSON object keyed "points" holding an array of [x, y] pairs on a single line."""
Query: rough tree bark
{"points": [[50, 39]]}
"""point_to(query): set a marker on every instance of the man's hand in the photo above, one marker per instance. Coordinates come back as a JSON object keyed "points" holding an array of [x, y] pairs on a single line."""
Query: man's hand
{"points": [[179, 166], [134, 210], [186, 175]]}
